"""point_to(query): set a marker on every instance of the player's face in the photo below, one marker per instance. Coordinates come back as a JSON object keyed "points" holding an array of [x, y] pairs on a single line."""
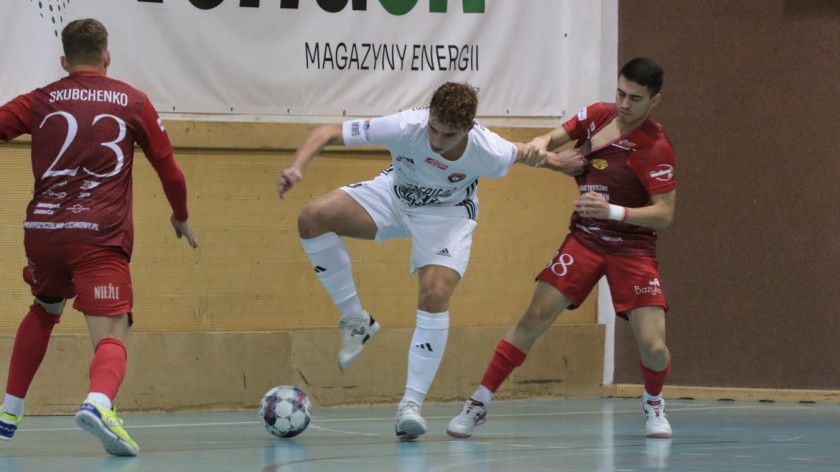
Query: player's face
{"points": [[633, 101], [443, 138]]}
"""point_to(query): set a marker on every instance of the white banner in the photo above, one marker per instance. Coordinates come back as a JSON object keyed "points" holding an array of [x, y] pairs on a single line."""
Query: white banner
{"points": [[327, 57]]}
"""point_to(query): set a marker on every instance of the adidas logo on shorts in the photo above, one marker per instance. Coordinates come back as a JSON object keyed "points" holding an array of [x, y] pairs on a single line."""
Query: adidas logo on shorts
{"points": [[444, 252]]}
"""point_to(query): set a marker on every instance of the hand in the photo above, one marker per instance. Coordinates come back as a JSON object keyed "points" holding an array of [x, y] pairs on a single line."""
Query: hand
{"points": [[183, 229], [592, 205], [535, 152], [570, 162], [288, 178]]}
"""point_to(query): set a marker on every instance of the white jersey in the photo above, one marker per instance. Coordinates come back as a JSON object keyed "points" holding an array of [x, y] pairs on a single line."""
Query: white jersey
{"points": [[423, 178]]}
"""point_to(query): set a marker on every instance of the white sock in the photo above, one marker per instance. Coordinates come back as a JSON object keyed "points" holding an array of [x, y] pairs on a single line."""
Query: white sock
{"points": [[483, 394], [100, 399], [331, 261], [13, 405], [425, 354], [646, 397]]}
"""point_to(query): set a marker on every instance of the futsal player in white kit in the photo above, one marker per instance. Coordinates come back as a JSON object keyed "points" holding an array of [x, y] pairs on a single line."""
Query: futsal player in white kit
{"points": [[428, 194]]}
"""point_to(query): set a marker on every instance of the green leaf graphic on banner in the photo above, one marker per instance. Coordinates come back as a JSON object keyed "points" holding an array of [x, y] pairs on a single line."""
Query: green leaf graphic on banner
{"points": [[470, 6], [55, 11]]}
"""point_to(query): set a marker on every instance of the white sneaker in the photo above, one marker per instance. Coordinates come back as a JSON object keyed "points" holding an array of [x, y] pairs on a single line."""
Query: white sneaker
{"points": [[409, 423], [473, 414], [657, 425], [355, 331]]}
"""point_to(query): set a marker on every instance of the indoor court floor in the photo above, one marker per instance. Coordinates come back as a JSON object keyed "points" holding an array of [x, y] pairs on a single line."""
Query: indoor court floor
{"points": [[564, 435]]}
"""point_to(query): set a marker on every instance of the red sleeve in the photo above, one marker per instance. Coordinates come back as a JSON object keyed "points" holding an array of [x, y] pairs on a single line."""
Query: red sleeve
{"points": [[14, 117], [152, 135], [158, 150], [655, 168], [174, 185], [578, 124]]}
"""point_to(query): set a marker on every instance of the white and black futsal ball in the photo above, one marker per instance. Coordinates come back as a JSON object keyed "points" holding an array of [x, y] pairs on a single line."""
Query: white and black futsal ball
{"points": [[285, 411]]}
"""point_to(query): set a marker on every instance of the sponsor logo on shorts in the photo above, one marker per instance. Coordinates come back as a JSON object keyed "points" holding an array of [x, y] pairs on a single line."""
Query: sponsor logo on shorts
{"points": [[652, 288], [106, 292], [444, 252]]}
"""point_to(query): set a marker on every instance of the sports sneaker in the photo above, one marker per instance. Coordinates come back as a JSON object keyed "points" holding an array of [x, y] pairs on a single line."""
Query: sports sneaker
{"points": [[107, 426], [8, 425], [355, 331], [657, 425], [473, 414], [409, 424]]}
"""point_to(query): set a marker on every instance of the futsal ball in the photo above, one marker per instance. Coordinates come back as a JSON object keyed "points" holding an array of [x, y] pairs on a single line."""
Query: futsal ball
{"points": [[285, 411]]}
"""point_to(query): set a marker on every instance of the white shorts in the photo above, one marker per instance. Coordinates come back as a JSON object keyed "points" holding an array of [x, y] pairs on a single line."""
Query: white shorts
{"points": [[438, 236]]}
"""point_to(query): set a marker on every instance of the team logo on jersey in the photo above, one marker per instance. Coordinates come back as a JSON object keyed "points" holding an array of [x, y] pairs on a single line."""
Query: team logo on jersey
{"points": [[457, 177], [663, 172], [599, 164], [436, 163]]}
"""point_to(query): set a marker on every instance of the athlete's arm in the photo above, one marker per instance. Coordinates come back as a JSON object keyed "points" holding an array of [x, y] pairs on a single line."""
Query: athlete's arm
{"points": [[315, 142], [539, 146], [569, 162], [13, 117], [659, 214], [175, 188]]}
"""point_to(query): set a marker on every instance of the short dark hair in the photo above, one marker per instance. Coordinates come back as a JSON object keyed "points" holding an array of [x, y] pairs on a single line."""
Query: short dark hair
{"points": [[455, 104], [85, 41], [644, 71]]}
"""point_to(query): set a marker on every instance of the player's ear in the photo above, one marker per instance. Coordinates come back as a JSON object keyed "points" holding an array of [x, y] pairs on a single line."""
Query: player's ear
{"points": [[654, 100], [107, 59], [64, 64]]}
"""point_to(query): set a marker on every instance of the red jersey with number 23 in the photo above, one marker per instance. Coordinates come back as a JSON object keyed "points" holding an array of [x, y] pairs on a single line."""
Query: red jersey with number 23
{"points": [[627, 172], [83, 129]]}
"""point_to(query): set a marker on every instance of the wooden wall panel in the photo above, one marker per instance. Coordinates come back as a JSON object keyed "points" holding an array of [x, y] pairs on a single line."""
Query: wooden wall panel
{"points": [[750, 263], [250, 272]]}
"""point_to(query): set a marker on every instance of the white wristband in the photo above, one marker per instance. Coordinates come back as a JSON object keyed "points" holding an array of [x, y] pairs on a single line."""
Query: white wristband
{"points": [[617, 213]]}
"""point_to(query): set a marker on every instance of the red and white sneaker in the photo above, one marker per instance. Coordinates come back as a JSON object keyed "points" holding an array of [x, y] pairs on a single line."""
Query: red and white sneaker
{"points": [[472, 414], [656, 425]]}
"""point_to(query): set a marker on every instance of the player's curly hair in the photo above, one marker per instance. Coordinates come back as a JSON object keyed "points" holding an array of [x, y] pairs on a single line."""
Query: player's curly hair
{"points": [[455, 104], [85, 41]]}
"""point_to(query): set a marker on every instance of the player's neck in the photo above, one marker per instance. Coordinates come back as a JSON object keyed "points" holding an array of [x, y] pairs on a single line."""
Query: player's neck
{"points": [[457, 151], [627, 128]]}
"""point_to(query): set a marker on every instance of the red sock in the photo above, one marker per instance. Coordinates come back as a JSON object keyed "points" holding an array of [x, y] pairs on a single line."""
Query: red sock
{"points": [[506, 358], [654, 380], [107, 370], [31, 341]]}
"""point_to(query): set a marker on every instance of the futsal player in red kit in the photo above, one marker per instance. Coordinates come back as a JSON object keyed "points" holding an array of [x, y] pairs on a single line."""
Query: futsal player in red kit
{"points": [[78, 232], [627, 193]]}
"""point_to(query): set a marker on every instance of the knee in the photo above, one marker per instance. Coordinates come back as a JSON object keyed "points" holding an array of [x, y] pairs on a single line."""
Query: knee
{"points": [[434, 297], [653, 348], [309, 221], [536, 319]]}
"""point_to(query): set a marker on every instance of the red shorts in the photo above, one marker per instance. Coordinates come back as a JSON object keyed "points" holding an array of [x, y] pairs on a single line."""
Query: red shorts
{"points": [[97, 276], [633, 280]]}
